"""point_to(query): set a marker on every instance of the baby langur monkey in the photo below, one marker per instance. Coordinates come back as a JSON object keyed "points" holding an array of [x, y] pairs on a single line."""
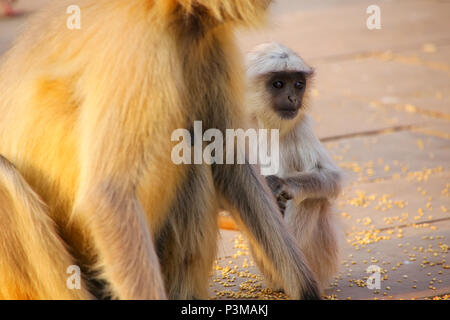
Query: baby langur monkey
{"points": [[278, 85]]}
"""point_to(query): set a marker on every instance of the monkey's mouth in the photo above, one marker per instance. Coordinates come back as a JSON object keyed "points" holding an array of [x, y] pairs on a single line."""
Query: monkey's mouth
{"points": [[288, 113]]}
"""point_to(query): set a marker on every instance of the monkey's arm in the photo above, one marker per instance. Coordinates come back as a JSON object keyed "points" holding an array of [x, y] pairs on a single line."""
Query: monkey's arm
{"points": [[320, 182], [108, 202], [116, 221], [254, 209], [114, 129], [321, 178], [125, 252]]}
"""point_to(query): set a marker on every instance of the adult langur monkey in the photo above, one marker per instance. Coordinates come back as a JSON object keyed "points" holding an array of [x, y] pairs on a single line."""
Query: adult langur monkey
{"points": [[86, 176], [279, 82]]}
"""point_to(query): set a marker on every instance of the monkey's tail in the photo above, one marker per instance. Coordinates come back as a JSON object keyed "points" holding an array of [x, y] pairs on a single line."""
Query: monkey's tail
{"points": [[33, 258]]}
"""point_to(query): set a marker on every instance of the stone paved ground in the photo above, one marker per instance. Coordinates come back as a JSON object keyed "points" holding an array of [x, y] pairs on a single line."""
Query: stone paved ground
{"points": [[381, 102], [382, 107]]}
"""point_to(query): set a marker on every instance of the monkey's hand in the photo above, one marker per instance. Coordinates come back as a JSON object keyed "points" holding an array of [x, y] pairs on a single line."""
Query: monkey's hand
{"points": [[280, 190]]}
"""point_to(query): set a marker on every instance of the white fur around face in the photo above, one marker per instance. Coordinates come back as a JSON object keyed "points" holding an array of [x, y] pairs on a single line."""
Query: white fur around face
{"points": [[274, 57], [263, 60]]}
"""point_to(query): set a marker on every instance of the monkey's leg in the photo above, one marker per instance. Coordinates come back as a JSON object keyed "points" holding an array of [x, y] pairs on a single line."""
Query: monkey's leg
{"points": [[258, 216], [33, 259], [317, 234], [187, 245]]}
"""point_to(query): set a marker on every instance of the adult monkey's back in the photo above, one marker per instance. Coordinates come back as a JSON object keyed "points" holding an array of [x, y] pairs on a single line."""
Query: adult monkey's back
{"points": [[87, 118]]}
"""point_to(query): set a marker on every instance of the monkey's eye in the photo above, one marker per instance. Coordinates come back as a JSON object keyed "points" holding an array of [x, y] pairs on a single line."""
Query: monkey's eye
{"points": [[299, 85], [278, 84]]}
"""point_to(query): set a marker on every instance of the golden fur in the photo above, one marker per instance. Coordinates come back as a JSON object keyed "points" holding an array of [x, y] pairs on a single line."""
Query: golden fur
{"points": [[86, 119]]}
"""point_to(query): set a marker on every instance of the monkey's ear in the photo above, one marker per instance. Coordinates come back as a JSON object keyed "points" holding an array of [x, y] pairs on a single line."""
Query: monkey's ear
{"points": [[310, 72]]}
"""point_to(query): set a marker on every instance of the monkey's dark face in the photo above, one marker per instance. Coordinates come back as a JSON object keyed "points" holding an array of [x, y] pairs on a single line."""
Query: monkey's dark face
{"points": [[287, 90]]}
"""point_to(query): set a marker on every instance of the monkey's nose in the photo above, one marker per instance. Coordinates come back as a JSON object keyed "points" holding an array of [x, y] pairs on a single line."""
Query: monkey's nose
{"points": [[292, 99]]}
